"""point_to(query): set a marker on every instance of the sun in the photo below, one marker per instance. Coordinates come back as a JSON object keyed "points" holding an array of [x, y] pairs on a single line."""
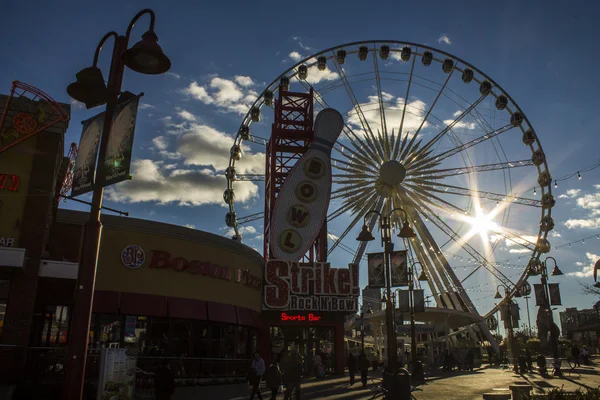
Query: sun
{"points": [[481, 223]]}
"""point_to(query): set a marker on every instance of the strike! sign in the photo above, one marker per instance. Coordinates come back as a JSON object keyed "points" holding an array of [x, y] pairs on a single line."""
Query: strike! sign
{"points": [[294, 286]]}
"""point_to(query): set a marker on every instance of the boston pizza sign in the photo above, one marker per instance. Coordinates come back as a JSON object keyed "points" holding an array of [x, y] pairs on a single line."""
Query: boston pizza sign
{"points": [[310, 287]]}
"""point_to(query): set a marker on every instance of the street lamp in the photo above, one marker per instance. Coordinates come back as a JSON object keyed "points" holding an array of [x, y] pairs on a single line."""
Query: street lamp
{"points": [[413, 332], [509, 301], [145, 57], [362, 326], [553, 333], [388, 246]]}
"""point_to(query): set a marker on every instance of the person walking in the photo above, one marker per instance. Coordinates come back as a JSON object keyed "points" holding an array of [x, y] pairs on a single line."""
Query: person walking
{"points": [[575, 354], [585, 354], [273, 379], [351, 368], [292, 375], [257, 370], [164, 382], [363, 366]]}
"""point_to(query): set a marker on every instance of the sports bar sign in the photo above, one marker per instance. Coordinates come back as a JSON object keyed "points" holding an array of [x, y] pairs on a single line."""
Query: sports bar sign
{"points": [[294, 286]]}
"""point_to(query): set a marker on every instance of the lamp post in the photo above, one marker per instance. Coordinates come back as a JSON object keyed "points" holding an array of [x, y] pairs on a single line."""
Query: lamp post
{"points": [[510, 324], [528, 316], [553, 333], [362, 326], [145, 57], [388, 246], [413, 331]]}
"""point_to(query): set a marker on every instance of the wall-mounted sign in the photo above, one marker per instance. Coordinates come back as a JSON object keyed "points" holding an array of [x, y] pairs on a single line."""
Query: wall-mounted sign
{"points": [[300, 317], [303, 200], [7, 242], [133, 256], [310, 287], [163, 259], [9, 182]]}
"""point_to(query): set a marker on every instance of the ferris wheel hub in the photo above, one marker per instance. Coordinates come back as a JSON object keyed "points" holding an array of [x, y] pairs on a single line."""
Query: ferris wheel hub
{"points": [[392, 172]]}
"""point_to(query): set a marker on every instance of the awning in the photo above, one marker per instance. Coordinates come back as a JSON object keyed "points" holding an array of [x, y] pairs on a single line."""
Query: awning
{"points": [[143, 304], [245, 317], [12, 257], [105, 302], [219, 312], [187, 308]]}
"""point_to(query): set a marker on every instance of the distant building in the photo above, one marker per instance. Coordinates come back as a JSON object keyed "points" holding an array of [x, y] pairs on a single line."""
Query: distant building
{"points": [[582, 326]]}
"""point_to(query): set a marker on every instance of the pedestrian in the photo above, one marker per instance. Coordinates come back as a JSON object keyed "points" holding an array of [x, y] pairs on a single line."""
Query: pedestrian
{"points": [[257, 370], [363, 366], [351, 367], [318, 360], [292, 375], [585, 354], [273, 379], [575, 354], [529, 360], [164, 382]]}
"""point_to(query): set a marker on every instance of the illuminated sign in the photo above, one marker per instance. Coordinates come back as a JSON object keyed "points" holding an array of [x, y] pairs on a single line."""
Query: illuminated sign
{"points": [[9, 182], [310, 317], [301, 205], [133, 256], [7, 242], [310, 287], [163, 259]]}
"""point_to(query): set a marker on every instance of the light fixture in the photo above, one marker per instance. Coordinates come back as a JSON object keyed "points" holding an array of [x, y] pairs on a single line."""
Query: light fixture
{"points": [[497, 296], [89, 88], [534, 192], [422, 277], [556, 271], [146, 56], [406, 231], [365, 235], [578, 175], [555, 185]]}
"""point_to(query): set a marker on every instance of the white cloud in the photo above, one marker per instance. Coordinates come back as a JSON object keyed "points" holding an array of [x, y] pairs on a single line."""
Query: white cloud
{"points": [[302, 46], [188, 116], [588, 269], [244, 80], [589, 203], [204, 145], [174, 75], [315, 76], [444, 38], [457, 113], [460, 124], [191, 226], [145, 106], [184, 187], [555, 234], [77, 104], [160, 142], [244, 230], [224, 93], [294, 55], [570, 194], [415, 112]]}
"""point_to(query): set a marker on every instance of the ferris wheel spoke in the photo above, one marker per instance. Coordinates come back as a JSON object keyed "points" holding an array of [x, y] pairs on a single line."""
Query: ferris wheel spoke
{"points": [[437, 221], [433, 199], [380, 96], [464, 146], [456, 190], [426, 174], [412, 68], [350, 191], [449, 127], [412, 145], [359, 152]]}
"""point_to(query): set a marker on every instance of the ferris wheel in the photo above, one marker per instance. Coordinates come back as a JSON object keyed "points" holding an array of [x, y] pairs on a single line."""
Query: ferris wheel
{"points": [[432, 134]]}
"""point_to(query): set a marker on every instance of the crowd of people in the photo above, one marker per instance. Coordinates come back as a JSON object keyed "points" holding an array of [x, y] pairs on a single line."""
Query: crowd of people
{"points": [[284, 372]]}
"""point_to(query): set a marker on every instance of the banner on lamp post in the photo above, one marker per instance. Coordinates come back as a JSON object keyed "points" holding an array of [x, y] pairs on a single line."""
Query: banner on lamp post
{"points": [[117, 164], [419, 300], [399, 272], [554, 294], [376, 269], [403, 301], [540, 297], [84, 170]]}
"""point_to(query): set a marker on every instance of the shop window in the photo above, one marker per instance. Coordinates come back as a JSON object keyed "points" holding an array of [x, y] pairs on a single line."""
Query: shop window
{"points": [[56, 326], [217, 341], [107, 330], [4, 289], [230, 341], [157, 337], [200, 339], [243, 342], [181, 339]]}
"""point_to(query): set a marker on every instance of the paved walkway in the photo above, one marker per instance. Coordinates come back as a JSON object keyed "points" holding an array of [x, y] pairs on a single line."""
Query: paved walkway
{"points": [[455, 385]]}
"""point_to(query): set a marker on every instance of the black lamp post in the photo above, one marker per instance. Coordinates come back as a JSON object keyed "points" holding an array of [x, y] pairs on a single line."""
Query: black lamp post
{"points": [[553, 333], [362, 326], [145, 57], [413, 331], [511, 343], [388, 246]]}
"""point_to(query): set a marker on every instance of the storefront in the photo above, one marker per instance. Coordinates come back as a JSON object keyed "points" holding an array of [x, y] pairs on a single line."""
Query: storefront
{"points": [[305, 307], [166, 291]]}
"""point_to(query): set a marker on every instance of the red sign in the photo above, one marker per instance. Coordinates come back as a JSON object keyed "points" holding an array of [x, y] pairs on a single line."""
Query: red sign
{"points": [[310, 286], [11, 184], [310, 317], [163, 259]]}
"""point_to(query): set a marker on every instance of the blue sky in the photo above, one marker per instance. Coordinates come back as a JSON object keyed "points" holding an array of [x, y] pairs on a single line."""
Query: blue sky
{"points": [[225, 53]]}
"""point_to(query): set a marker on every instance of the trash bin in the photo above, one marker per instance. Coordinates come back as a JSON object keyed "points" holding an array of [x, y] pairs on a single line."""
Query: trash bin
{"points": [[397, 386]]}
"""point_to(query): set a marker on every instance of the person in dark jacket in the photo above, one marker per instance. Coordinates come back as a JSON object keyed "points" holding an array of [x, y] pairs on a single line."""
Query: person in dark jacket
{"points": [[363, 367], [292, 375], [575, 354], [164, 382], [273, 379], [351, 367]]}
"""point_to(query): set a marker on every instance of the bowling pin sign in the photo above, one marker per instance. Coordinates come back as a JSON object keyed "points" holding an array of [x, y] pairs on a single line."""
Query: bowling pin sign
{"points": [[303, 201]]}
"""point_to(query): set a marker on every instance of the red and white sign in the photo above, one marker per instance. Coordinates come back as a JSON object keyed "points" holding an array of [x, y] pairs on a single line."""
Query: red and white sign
{"points": [[299, 317], [310, 287]]}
